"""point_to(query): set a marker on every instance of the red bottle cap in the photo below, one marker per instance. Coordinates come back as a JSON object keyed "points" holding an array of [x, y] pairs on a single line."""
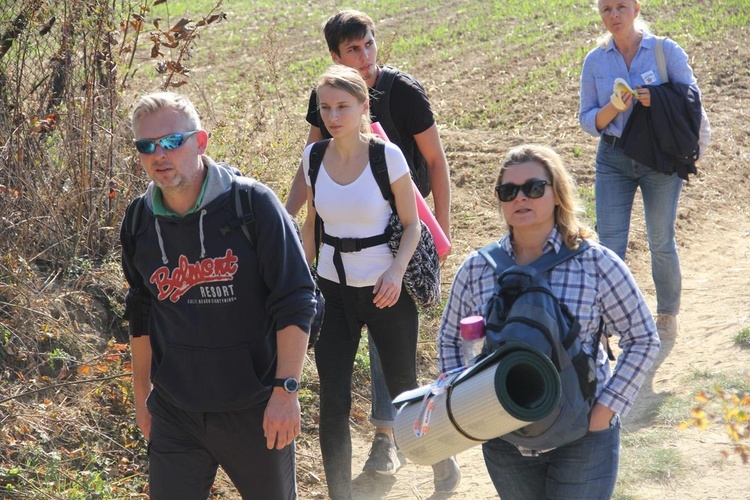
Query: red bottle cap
{"points": [[472, 328]]}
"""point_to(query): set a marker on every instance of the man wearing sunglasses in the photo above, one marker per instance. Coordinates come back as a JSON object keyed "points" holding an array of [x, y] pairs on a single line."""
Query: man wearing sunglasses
{"points": [[218, 326]]}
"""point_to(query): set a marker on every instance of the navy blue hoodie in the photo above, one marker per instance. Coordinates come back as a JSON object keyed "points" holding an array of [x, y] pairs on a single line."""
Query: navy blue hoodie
{"points": [[211, 302]]}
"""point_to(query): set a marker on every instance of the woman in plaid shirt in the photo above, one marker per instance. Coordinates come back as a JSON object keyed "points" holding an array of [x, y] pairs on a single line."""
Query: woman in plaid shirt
{"points": [[539, 203]]}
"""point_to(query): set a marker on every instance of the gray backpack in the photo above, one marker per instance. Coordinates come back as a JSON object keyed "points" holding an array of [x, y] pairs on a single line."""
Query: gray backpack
{"points": [[524, 309]]}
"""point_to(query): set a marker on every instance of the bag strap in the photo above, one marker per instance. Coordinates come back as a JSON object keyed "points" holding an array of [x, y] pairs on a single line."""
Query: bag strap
{"points": [[131, 221], [499, 259], [383, 85], [316, 159], [380, 170], [661, 61], [242, 189]]}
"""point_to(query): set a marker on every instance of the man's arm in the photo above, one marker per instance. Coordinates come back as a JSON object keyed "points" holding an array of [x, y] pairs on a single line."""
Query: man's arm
{"points": [[431, 148], [298, 191], [140, 353], [281, 421]]}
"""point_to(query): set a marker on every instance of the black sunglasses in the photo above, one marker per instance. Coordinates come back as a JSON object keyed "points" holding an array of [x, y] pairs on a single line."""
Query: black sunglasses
{"points": [[167, 143], [532, 189]]}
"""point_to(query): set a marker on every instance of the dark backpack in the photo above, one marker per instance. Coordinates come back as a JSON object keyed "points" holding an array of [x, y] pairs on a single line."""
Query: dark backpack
{"points": [[242, 193], [417, 162], [382, 103], [523, 308]]}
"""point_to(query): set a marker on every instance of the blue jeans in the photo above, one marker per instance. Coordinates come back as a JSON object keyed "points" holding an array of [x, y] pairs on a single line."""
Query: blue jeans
{"points": [[617, 179], [383, 411], [585, 469]]}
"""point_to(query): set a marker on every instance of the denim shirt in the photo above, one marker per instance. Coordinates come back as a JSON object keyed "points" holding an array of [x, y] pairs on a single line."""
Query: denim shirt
{"points": [[603, 64]]}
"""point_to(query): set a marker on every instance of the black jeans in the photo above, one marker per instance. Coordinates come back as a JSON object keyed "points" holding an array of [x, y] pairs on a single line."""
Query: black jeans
{"points": [[394, 331]]}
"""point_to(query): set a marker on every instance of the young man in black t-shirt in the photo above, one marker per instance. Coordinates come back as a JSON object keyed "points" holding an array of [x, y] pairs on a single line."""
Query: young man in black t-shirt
{"points": [[350, 36]]}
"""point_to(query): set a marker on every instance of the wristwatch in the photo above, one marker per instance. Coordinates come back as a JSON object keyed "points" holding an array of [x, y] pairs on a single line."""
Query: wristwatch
{"points": [[290, 384]]}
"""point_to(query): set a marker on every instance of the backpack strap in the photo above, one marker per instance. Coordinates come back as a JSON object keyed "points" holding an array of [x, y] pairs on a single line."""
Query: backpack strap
{"points": [[316, 160], [131, 221], [242, 193], [551, 260], [661, 61], [383, 85], [499, 259], [496, 257], [380, 170]]}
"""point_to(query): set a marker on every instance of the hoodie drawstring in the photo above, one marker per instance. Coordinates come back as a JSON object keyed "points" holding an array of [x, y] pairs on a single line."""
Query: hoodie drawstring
{"points": [[164, 259], [200, 226]]}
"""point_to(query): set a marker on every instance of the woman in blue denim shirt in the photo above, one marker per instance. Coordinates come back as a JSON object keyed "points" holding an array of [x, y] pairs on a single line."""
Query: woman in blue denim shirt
{"points": [[627, 51]]}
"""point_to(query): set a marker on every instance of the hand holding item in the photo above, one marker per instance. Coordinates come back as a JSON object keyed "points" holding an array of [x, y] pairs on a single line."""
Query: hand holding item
{"points": [[644, 96], [622, 94]]}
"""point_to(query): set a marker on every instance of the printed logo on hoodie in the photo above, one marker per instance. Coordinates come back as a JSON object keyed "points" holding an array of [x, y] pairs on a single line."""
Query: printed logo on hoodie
{"points": [[174, 284]]}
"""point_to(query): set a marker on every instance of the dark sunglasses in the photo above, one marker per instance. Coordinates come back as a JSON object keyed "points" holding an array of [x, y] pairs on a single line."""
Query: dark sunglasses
{"points": [[167, 143], [532, 189]]}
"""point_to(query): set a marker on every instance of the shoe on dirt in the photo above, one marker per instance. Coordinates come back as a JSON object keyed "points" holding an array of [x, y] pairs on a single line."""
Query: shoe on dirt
{"points": [[383, 458], [447, 475]]}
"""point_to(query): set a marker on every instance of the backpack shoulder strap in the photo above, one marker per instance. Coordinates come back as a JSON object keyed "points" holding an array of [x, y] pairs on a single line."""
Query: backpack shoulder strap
{"points": [[380, 169], [316, 159], [496, 257], [242, 192], [130, 222], [383, 86], [551, 259], [661, 61], [499, 259]]}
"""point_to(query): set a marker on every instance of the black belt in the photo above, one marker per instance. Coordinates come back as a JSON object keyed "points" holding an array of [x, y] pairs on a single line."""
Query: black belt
{"points": [[610, 139]]}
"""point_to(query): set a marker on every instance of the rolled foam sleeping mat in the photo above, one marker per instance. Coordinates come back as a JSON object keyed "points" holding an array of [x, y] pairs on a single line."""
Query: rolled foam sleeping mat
{"points": [[516, 386]]}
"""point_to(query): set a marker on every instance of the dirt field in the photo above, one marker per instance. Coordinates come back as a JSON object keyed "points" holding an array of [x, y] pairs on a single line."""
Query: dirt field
{"points": [[713, 238]]}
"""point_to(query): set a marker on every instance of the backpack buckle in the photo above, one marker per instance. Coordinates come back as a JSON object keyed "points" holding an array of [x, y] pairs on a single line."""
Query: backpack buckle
{"points": [[348, 245]]}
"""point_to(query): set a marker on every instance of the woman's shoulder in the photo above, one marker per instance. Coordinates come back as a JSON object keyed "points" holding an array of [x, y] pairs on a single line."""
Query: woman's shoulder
{"points": [[603, 258], [395, 159]]}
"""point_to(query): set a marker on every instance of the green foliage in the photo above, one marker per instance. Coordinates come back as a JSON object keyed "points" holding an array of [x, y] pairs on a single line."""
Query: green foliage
{"points": [[588, 202], [742, 338]]}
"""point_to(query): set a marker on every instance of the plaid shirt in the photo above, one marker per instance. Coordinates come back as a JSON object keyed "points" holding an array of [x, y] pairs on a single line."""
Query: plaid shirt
{"points": [[594, 284]]}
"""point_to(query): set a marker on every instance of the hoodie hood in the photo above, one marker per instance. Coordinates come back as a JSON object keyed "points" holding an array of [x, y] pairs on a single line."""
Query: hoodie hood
{"points": [[219, 178]]}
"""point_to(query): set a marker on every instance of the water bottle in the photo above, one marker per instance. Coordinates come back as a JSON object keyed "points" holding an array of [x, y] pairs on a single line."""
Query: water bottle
{"points": [[472, 337]]}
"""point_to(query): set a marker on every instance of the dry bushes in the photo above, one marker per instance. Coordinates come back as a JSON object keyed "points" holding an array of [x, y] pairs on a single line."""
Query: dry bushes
{"points": [[67, 173]]}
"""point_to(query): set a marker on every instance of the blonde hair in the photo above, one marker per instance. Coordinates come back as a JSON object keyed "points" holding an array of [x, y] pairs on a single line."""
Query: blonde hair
{"points": [[350, 81], [639, 24], [568, 203], [151, 103]]}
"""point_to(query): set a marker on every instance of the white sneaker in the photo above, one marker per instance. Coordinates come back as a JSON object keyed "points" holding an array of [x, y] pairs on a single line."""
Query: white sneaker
{"points": [[447, 475], [666, 326]]}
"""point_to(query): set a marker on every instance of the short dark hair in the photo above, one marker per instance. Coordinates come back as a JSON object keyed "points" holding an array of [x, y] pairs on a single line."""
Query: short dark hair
{"points": [[347, 25]]}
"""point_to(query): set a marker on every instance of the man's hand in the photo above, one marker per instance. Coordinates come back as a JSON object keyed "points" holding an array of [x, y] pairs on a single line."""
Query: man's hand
{"points": [[281, 421], [143, 420]]}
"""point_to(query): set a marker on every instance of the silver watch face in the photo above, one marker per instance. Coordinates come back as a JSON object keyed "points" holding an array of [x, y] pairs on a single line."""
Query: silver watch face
{"points": [[291, 385]]}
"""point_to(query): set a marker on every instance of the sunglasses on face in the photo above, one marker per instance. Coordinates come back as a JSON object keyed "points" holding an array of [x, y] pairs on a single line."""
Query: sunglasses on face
{"points": [[532, 189], [167, 143]]}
